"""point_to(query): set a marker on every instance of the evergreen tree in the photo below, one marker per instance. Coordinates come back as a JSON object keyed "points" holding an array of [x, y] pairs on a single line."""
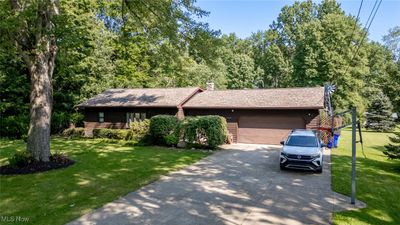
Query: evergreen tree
{"points": [[379, 115], [393, 149]]}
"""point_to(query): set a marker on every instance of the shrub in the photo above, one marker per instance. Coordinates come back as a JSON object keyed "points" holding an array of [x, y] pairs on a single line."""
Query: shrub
{"points": [[74, 132], [21, 159], [59, 122], [161, 126], [209, 131], [138, 131], [77, 119], [110, 133], [14, 126], [171, 139]]}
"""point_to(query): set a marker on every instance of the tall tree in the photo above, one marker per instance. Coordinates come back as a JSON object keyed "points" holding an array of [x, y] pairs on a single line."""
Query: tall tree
{"points": [[241, 72], [32, 30], [392, 150], [379, 115], [392, 41]]}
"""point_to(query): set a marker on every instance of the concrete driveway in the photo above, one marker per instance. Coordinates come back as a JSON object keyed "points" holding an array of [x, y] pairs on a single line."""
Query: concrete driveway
{"points": [[239, 185]]}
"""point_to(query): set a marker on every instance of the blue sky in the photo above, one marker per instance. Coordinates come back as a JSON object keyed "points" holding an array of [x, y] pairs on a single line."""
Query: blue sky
{"points": [[246, 16]]}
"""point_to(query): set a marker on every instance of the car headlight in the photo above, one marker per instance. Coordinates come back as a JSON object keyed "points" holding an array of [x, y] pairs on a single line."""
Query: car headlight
{"points": [[283, 154], [316, 155]]}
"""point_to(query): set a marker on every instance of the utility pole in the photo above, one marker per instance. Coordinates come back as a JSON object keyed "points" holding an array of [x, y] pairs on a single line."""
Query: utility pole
{"points": [[353, 154]]}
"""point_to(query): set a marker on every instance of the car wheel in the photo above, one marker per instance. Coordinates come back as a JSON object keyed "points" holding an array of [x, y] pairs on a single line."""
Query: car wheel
{"points": [[319, 170], [282, 167]]}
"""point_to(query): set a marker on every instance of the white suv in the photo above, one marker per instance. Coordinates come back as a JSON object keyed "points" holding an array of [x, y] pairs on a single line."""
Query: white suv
{"points": [[302, 150]]}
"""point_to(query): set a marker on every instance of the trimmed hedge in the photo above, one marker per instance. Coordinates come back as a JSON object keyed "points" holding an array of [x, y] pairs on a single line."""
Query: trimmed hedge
{"points": [[163, 130], [198, 132], [206, 131], [74, 132], [118, 134]]}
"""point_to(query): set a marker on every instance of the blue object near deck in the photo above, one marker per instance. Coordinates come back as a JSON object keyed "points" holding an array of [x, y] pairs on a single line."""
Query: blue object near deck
{"points": [[335, 140], [329, 144]]}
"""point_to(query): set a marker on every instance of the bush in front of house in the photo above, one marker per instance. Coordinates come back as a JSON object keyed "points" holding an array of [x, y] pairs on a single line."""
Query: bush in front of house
{"points": [[138, 131], [205, 131], [163, 128], [118, 134], [74, 132], [77, 119]]}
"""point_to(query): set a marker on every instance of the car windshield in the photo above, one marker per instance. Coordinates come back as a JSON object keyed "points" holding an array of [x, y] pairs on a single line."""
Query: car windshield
{"points": [[302, 141]]}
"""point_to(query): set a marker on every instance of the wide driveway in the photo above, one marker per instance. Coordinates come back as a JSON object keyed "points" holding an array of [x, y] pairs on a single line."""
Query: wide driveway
{"points": [[239, 185]]}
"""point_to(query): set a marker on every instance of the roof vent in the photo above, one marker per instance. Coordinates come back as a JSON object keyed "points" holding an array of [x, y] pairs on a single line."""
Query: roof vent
{"points": [[210, 86]]}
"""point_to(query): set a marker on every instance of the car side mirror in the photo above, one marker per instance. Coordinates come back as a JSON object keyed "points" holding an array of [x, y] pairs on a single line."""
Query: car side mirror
{"points": [[282, 142]]}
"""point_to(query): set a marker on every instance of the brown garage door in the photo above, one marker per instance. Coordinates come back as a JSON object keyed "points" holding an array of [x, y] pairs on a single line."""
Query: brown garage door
{"points": [[267, 129]]}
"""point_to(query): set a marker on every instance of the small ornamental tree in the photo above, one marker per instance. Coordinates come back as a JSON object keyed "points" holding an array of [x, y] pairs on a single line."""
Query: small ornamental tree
{"points": [[393, 149], [379, 115]]}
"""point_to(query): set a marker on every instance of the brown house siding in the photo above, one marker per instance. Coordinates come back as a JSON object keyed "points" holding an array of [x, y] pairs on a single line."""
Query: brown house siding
{"points": [[115, 117]]}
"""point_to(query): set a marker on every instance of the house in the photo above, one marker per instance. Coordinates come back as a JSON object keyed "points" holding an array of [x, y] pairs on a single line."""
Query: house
{"points": [[262, 116], [115, 108]]}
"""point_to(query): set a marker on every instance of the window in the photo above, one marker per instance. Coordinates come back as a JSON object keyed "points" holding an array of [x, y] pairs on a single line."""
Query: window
{"points": [[142, 116], [137, 116], [101, 117], [302, 141], [131, 117]]}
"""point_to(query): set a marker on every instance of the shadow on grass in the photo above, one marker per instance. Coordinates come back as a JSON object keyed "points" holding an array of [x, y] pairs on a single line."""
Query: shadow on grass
{"points": [[377, 185], [103, 171]]}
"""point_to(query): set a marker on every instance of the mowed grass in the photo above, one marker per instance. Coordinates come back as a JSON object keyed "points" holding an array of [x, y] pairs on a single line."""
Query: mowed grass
{"points": [[378, 180], [103, 172]]}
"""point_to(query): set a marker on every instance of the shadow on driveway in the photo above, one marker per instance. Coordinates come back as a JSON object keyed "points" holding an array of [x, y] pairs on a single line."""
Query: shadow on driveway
{"points": [[241, 184]]}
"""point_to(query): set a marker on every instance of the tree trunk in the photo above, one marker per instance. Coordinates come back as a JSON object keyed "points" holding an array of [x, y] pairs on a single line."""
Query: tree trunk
{"points": [[37, 44], [40, 106]]}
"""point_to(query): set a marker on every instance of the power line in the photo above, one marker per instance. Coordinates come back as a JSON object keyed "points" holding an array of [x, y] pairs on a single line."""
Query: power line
{"points": [[355, 24], [367, 26]]}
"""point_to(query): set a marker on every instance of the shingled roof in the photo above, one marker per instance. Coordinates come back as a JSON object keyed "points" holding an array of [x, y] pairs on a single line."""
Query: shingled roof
{"points": [[278, 98], [141, 97]]}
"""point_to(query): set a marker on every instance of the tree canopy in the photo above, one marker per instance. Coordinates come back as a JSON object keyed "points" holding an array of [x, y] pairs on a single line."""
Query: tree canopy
{"points": [[126, 44]]}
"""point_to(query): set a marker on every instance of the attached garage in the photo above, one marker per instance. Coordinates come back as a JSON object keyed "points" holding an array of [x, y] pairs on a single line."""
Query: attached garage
{"points": [[267, 129], [261, 116]]}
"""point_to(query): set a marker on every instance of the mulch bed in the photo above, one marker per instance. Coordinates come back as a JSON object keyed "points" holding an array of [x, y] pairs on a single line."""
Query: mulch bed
{"points": [[37, 167]]}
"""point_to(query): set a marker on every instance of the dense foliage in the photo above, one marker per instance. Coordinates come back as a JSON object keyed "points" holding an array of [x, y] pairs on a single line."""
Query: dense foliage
{"points": [[379, 115], [206, 131], [128, 44], [139, 131], [74, 132], [164, 129], [118, 134], [199, 132], [392, 150]]}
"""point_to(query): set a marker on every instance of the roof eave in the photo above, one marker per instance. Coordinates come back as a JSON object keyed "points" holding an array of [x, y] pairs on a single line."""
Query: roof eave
{"points": [[126, 106], [245, 107]]}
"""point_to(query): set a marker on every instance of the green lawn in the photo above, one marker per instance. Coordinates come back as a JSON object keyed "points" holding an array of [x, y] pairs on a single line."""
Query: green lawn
{"points": [[378, 180], [103, 172]]}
